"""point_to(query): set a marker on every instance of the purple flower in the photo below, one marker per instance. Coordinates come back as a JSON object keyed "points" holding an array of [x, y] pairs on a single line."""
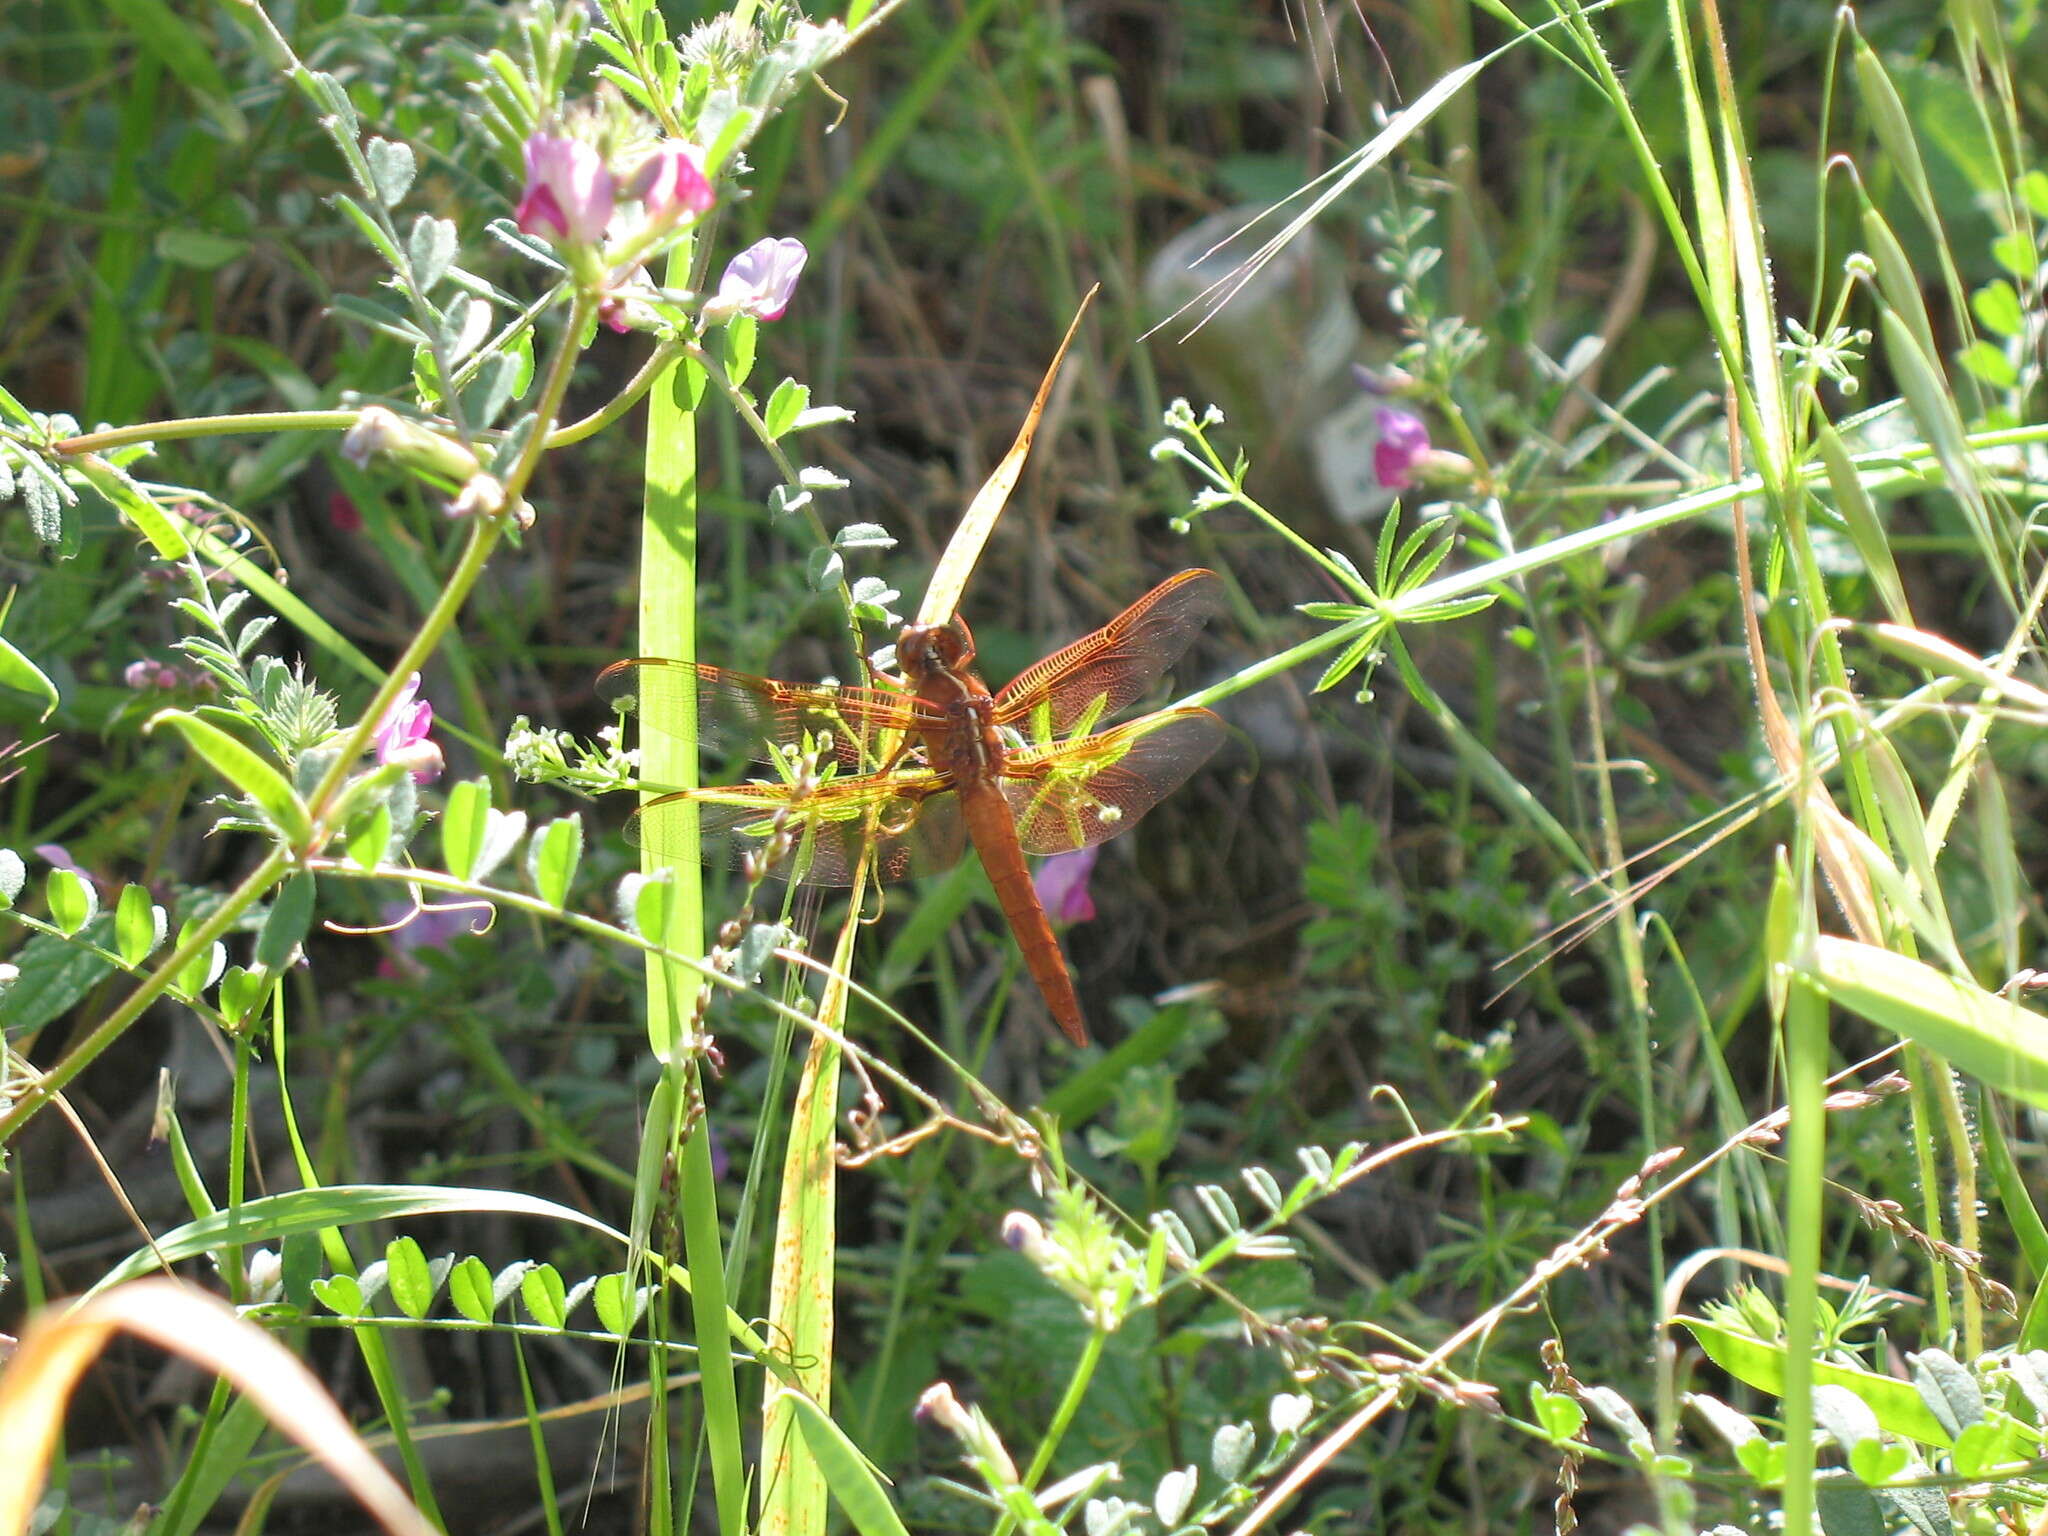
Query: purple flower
{"points": [[569, 191], [759, 281], [402, 735], [1062, 885], [1403, 444], [670, 183]]}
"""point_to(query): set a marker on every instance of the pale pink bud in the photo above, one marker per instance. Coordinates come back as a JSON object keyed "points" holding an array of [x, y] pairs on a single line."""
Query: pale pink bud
{"points": [[670, 185], [569, 191], [759, 281]]}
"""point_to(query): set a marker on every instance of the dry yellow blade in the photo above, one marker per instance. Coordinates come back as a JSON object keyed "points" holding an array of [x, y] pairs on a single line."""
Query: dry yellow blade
{"points": [[59, 1345], [942, 597]]}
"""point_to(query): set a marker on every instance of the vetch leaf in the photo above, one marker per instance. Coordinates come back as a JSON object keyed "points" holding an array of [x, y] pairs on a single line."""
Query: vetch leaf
{"points": [[340, 1295], [72, 901], [164, 532], [541, 1289], [291, 915], [789, 400], [824, 570], [203, 969], [13, 876], [863, 536], [369, 837], [24, 676], [469, 1287], [1997, 307], [552, 857], [502, 831], [392, 168], [432, 247], [412, 1285], [464, 825], [139, 924], [742, 333], [240, 765], [242, 992]]}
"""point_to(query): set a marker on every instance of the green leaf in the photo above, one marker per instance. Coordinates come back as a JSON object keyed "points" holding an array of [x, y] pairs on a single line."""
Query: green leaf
{"points": [[203, 968], [1558, 1412], [1990, 364], [242, 767], [340, 1295], [291, 915], [13, 876], [854, 1482], [55, 974], [242, 992], [552, 857], [541, 1289], [742, 334], [789, 401], [824, 569], [1896, 1405], [164, 532], [1997, 308], [139, 924], [464, 825], [469, 1287], [618, 1302], [24, 676], [863, 536], [1991, 1037], [392, 168], [2015, 252], [369, 228], [369, 837], [201, 248], [411, 1282], [650, 906], [432, 247], [72, 901], [1858, 513]]}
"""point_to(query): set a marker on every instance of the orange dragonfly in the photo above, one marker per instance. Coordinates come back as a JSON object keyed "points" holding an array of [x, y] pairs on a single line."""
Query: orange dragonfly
{"points": [[911, 774]]}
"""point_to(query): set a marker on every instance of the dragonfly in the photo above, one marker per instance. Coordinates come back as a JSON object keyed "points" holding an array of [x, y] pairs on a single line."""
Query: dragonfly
{"points": [[910, 774]]}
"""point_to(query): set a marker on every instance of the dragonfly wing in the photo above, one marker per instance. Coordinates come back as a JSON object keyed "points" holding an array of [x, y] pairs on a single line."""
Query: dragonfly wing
{"points": [[1078, 793], [1121, 661], [914, 827], [745, 716]]}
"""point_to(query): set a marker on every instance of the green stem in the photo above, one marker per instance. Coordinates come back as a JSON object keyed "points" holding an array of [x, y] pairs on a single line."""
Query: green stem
{"points": [[206, 426], [1063, 1416], [82, 1055]]}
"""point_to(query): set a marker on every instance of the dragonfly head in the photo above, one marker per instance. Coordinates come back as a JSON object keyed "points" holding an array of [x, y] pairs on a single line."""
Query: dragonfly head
{"points": [[925, 648]]}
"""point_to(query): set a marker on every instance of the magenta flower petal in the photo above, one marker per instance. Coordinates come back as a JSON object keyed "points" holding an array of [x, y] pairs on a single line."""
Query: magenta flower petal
{"points": [[569, 191], [671, 185], [1403, 444], [402, 735], [1062, 885]]}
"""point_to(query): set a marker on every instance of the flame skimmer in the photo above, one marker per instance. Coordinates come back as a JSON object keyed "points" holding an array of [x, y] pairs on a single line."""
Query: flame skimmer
{"points": [[911, 774]]}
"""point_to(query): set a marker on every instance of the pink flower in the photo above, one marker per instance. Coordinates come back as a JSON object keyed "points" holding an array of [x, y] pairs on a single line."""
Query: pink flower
{"points": [[569, 191], [1403, 444], [1062, 885], [402, 736], [342, 514], [670, 183], [146, 674], [759, 281]]}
